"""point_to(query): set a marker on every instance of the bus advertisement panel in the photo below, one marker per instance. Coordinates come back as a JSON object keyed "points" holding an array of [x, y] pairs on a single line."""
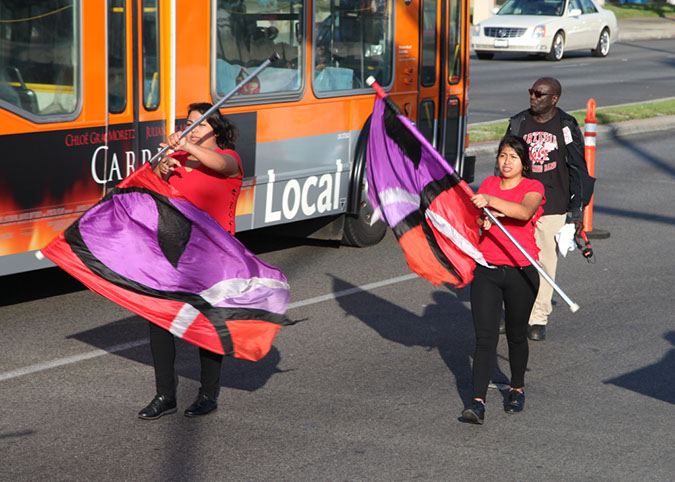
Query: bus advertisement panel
{"points": [[88, 90]]}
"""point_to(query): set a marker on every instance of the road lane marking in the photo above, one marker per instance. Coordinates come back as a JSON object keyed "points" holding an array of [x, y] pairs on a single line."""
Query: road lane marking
{"points": [[133, 344]]}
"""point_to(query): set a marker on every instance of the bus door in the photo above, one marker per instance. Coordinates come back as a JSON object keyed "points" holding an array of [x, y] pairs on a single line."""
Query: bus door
{"points": [[441, 78], [136, 118], [430, 83]]}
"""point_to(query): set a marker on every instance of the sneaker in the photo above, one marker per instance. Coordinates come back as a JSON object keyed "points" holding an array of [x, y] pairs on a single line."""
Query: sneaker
{"points": [[515, 402], [475, 413]]}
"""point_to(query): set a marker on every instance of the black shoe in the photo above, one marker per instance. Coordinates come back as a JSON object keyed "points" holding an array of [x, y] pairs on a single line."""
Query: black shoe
{"points": [[202, 406], [502, 327], [475, 413], [516, 402], [160, 405], [537, 333]]}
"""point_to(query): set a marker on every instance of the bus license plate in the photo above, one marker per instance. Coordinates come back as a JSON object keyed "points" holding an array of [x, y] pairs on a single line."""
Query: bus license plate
{"points": [[501, 42]]}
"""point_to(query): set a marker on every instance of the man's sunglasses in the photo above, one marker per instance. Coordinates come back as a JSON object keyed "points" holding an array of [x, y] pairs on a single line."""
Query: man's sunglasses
{"points": [[537, 93]]}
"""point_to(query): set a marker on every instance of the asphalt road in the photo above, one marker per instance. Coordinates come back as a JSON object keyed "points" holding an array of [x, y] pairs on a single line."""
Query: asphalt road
{"points": [[634, 71], [371, 384]]}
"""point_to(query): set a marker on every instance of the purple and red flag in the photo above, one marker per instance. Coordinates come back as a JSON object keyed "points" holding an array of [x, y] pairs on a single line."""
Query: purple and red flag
{"points": [[147, 248], [421, 197]]}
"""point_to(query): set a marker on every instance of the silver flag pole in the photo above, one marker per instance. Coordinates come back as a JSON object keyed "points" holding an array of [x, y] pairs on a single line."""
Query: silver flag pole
{"points": [[263, 66]]}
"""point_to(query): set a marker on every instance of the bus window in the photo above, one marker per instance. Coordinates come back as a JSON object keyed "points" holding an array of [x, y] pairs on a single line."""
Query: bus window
{"points": [[248, 32], [352, 40], [426, 122], [429, 16], [455, 41], [151, 90], [452, 125], [117, 65], [39, 58]]}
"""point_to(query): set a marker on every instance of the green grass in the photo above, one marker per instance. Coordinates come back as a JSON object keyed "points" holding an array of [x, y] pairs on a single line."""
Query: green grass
{"points": [[641, 10], [604, 115]]}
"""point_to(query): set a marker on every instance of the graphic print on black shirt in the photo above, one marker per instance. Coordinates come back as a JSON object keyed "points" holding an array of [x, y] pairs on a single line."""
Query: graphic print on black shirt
{"points": [[548, 152]]}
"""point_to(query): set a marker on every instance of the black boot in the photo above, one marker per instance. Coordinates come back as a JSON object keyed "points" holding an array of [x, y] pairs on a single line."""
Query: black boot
{"points": [[160, 405]]}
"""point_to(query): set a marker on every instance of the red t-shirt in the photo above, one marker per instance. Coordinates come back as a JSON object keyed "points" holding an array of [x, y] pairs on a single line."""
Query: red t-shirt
{"points": [[208, 190], [495, 246]]}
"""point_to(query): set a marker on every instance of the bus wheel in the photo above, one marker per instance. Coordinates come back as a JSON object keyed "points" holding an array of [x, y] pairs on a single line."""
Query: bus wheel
{"points": [[357, 229]]}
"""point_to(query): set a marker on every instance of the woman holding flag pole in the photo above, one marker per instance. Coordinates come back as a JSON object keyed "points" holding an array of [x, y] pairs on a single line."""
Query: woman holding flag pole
{"points": [[510, 278], [207, 171], [424, 200]]}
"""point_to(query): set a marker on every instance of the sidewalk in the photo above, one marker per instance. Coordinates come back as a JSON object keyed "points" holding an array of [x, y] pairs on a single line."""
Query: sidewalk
{"points": [[604, 131], [632, 29]]}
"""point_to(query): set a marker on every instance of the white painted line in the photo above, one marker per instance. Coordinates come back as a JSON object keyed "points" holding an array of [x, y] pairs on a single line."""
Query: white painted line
{"points": [[71, 359], [133, 344], [351, 291]]}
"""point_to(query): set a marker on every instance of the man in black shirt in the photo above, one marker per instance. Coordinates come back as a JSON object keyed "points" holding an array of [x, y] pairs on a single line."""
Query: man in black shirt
{"points": [[557, 154]]}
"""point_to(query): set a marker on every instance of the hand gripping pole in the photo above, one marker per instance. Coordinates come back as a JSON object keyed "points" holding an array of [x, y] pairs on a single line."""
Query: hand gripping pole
{"points": [[263, 66], [418, 135]]}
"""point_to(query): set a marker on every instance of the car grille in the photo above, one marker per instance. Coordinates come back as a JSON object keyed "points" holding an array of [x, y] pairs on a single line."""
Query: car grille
{"points": [[504, 32]]}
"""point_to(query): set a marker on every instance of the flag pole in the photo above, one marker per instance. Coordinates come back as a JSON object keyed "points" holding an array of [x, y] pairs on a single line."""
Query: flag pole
{"points": [[244, 81], [423, 140]]}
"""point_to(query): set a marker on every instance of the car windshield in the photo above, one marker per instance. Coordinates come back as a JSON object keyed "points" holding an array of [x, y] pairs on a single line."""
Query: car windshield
{"points": [[533, 7]]}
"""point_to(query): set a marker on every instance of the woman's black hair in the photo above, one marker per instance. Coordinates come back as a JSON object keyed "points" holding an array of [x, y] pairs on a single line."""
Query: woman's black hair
{"points": [[522, 151], [224, 129]]}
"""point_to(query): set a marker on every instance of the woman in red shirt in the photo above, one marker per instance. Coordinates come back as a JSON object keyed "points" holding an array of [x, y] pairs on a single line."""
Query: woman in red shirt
{"points": [[510, 279], [207, 171]]}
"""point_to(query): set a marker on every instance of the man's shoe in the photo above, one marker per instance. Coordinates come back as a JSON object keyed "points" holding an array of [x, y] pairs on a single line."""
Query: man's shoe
{"points": [[515, 403], [160, 405], [202, 406], [475, 413], [537, 333]]}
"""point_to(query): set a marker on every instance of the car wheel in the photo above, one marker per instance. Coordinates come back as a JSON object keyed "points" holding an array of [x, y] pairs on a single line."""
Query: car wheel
{"points": [[484, 55], [557, 48], [602, 49]]}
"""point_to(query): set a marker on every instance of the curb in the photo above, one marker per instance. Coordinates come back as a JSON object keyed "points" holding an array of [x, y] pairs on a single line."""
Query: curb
{"points": [[604, 132]]}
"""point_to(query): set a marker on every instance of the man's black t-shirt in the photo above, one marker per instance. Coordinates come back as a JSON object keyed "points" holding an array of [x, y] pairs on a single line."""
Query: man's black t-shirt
{"points": [[548, 151]]}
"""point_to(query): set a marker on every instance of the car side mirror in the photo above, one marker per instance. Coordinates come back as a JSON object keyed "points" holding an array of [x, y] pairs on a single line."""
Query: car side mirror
{"points": [[494, 10], [575, 12]]}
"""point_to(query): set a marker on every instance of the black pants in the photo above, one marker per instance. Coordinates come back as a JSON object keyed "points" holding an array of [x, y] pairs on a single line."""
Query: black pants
{"points": [[164, 354], [517, 289]]}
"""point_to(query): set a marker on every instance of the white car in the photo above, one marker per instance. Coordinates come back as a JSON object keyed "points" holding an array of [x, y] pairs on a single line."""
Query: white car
{"points": [[549, 27]]}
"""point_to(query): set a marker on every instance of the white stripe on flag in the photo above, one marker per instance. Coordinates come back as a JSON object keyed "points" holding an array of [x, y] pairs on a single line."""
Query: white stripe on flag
{"points": [[185, 317], [236, 287], [453, 235], [394, 195]]}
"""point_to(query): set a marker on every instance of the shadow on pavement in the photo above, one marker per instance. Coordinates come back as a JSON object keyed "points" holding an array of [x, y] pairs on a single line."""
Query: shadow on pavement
{"points": [[655, 381], [35, 285], [445, 325], [133, 331]]}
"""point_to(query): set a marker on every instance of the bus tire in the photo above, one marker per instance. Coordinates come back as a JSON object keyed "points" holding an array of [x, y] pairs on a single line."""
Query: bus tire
{"points": [[357, 229]]}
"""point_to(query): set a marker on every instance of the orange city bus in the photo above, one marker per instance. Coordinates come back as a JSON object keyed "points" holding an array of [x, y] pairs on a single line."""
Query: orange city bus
{"points": [[88, 90]]}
